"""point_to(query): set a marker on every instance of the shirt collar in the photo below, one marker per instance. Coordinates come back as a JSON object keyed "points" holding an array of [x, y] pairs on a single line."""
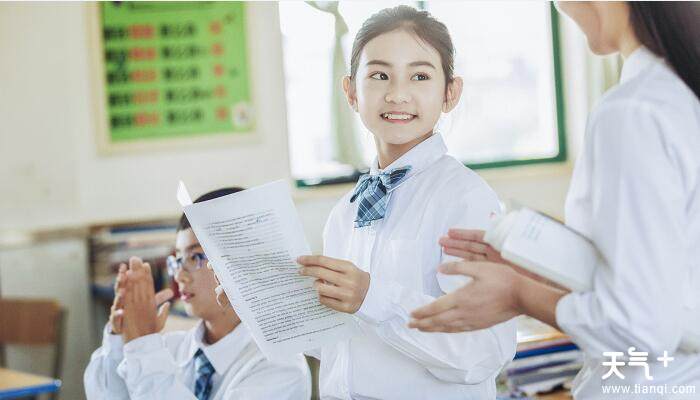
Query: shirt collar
{"points": [[419, 157], [222, 353], [636, 62]]}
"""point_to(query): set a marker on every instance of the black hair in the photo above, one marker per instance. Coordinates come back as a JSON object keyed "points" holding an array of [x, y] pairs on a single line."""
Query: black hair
{"points": [[671, 30], [185, 224], [420, 23]]}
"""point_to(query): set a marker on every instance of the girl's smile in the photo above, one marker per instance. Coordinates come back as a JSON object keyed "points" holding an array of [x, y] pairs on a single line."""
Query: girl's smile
{"points": [[398, 117], [400, 91]]}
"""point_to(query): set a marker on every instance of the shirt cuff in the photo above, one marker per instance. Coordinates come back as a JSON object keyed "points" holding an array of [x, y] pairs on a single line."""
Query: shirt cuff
{"points": [[112, 343], [568, 317], [144, 356], [144, 344], [563, 309], [376, 308]]}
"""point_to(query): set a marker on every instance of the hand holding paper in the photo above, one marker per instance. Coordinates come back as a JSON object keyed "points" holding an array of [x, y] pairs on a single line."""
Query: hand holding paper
{"points": [[545, 250], [340, 284], [252, 239], [469, 244]]}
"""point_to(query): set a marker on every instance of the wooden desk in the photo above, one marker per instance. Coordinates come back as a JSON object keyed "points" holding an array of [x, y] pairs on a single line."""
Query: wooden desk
{"points": [[558, 395], [15, 384]]}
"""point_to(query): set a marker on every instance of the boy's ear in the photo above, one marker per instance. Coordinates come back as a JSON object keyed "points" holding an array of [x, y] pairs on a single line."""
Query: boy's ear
{"points": [[452, 94], [349, 89]]}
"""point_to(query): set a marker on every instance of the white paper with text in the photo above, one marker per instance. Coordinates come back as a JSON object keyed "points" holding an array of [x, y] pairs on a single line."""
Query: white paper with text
{"points": [[252, 239], [546, 247]]}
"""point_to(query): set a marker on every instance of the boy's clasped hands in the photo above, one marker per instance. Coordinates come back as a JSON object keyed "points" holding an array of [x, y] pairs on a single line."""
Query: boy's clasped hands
{"points": [[137, 310]]}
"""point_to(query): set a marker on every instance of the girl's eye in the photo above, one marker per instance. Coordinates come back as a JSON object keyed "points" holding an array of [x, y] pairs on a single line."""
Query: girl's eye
{"points": [[379, 76], [420, 77]]}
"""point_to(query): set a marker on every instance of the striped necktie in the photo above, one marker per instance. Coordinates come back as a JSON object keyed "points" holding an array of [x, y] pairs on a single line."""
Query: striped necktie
{"points": [[204, 372], [372, 191]]}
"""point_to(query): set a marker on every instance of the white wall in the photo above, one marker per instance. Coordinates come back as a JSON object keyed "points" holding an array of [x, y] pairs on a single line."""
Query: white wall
{"points": [[52, 175]]}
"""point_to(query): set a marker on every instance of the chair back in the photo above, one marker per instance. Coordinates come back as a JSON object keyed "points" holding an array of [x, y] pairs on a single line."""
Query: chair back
{"points": [[33, 322]]}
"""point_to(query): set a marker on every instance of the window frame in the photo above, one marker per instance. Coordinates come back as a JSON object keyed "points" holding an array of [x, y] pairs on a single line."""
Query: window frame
{"points": [[561, 157]]}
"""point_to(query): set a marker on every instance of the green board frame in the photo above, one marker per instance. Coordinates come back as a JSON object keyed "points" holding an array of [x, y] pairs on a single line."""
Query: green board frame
{"points": [[174, 70], [562, 154]]}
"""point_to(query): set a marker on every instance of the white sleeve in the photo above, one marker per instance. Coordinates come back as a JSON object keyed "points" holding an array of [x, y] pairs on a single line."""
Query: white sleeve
{"points": [[637, 217], [274, 380], [101, 379], [467, 357], [150, 371]]}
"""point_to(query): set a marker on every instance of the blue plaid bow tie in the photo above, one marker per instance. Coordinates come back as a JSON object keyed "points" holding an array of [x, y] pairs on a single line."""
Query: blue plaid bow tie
{"points": [[372, 190], [204, 371]]}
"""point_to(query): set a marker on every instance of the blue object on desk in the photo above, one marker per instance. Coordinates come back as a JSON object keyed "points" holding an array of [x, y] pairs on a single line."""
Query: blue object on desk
{"points": [[545, 350], [13, 393]]}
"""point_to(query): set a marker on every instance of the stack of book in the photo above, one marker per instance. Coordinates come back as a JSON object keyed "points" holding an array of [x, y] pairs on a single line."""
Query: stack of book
{"points": [[545, 360]]}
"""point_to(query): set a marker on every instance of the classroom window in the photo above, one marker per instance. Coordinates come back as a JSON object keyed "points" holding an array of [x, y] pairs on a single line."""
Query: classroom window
{"points": [[510, 112]]}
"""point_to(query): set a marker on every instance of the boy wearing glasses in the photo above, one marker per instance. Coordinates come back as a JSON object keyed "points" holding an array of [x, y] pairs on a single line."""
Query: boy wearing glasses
{"points": [[217, 359]]}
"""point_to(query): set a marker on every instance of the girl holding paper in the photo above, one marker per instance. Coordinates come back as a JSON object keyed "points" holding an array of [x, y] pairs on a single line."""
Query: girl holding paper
{"points": [[380, 240], [635, 193]]}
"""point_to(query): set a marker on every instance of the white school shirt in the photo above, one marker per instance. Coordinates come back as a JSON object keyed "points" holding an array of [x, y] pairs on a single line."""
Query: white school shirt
{"points": [[387, 360], [636, 193], [161, 366]]}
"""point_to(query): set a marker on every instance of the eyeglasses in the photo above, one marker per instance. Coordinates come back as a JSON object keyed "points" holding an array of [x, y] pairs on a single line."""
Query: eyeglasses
{"points": [[191, 263]]}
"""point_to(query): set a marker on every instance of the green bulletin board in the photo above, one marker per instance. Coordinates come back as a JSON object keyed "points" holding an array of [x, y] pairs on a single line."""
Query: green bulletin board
{"points": [[175, 69]]}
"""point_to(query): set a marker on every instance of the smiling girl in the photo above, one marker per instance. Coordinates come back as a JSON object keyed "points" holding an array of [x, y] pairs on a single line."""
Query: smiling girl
{"points": [[381, 246]]}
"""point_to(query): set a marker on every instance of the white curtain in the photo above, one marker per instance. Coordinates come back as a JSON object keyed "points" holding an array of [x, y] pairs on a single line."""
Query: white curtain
{"points": [[346, 148]]}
